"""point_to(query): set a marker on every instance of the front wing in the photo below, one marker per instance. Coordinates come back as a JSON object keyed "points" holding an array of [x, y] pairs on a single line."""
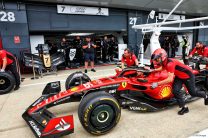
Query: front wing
{"points": [[45, 125]]}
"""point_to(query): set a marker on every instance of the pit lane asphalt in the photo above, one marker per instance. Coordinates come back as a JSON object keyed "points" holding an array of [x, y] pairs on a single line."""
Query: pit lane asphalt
{"points": [[160, 124]]}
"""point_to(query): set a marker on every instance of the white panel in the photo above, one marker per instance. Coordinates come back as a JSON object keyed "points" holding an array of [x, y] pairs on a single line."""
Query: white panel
{"points": [[69, 9], [34, 41]]}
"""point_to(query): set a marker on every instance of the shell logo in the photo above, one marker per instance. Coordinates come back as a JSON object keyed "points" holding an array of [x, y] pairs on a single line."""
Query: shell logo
{"points": [[74, 89], [165, 91]]}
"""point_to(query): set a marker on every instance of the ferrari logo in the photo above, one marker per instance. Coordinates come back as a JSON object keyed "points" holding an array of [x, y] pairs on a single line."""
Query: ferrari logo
{"points": [[124, 84], [165, 91]]}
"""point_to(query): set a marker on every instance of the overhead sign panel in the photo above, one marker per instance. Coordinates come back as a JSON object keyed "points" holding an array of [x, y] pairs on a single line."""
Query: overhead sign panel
{"points": [[171, 17], [68, 9]]}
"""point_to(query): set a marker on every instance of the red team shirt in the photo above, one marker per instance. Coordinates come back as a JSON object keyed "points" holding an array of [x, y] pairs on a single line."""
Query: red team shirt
{"points": [[130, 61], [199, 51], [179, 69], [9, 57]]}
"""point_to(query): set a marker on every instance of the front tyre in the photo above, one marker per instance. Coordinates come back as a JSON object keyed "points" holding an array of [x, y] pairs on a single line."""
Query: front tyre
{"points": [[76, 79], [99, 112]]}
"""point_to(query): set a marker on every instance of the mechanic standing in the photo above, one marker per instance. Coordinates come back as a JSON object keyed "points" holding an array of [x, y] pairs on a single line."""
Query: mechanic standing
{"points": [[200, 50], [77, 42], [129, 59], [89, 53], [179, 74], [185, 45], [105, 47], [9, 62], [64, 45]]}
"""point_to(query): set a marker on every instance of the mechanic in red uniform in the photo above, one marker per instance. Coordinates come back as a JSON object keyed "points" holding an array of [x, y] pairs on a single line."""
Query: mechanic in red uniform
{"points": [[179, 74], [8, 62], [129, 59], [200, 50]]}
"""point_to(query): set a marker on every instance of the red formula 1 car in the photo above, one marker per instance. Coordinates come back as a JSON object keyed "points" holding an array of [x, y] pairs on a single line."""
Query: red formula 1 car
{"points": [[101, 100]]}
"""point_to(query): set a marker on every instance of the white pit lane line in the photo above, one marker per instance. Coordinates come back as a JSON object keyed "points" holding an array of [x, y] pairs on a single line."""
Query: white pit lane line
{"points": [[89, 73], [201, 134], [44, 83]]}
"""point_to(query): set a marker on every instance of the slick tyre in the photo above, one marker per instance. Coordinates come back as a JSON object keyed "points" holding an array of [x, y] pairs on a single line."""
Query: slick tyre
{"points": [[99, 112], [76, 79], [7, 82]]}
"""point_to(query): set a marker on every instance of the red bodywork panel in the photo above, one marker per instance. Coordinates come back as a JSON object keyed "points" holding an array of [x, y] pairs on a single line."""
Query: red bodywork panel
{"points": [[84, 87], [159, 93], [59, 124], [45, 124]]}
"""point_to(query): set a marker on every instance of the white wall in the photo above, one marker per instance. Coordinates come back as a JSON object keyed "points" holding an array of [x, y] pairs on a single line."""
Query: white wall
{"points": [[34, 41]]}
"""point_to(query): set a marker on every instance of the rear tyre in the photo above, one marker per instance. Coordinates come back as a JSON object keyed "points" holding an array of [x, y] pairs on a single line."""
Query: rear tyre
{"points": [[99, 112], [7, 82], [76, 79]]}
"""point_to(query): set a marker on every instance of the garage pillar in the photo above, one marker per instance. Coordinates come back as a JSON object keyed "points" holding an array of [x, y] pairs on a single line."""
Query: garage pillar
{"points": [[134, 36]]}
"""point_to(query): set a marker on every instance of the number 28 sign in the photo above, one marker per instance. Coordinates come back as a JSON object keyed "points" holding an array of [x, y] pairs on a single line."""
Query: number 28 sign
{"points": [[7, 16]]}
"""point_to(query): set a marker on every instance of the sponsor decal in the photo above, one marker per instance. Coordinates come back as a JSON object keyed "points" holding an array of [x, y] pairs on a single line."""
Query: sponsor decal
{"points": [[54, 85], [53, 98], [86, 115], [112, 91], [34, 126], [62, 100], [62, 125], [137, 108], [78, 75], [74, 89], [127, 102], [110, 86], [124, 84], [38, 101], [44, 122], [64, 92], [88, 85], [165, 91], [97, 81]]}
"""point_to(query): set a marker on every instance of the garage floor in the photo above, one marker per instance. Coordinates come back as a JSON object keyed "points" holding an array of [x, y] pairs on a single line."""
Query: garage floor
{"points": [[161, 124]]}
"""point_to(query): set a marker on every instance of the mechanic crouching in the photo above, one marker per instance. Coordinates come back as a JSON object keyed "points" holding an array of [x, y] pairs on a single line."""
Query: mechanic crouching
{"points": [[129, 59], [179, 74], [201, 50], [9, 62]]}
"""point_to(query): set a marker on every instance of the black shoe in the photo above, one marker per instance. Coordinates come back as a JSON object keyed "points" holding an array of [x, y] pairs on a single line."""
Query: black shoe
{"points": [[183, 111], [206, 101], [85, 71], [16, 88], [93, 70]]}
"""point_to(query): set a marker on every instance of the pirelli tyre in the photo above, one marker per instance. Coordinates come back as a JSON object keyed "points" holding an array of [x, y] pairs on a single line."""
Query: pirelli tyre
{"points": [[76, 79], [7, 82], [99, 112]]}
